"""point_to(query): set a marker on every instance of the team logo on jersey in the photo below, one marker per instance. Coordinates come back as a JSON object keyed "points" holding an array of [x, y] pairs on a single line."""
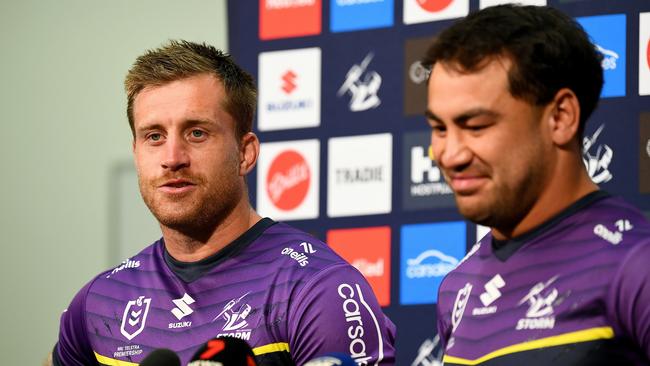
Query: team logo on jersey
{"points": [[462, 298], [135, 317], [235, 315], [182, 310], [362, 85], [597, 157], [541, 299], [430, 353], [353, 306], [490, 295]]}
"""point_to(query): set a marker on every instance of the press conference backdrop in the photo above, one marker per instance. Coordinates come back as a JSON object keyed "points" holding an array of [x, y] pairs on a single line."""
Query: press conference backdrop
{"points": [[344, 140]]}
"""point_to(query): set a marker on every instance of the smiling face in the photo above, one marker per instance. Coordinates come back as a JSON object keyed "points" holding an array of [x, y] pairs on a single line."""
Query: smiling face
{"points": [[491, 147], [186, 153]]}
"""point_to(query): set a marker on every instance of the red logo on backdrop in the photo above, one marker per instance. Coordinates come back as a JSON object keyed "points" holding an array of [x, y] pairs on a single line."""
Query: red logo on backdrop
{"points": [[433, 5], [289, 84], [289, 18], [288, 180]]}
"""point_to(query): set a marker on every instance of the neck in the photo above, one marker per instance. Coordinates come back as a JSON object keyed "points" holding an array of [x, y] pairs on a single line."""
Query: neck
{"points": [[192, 248], [567, 182]]}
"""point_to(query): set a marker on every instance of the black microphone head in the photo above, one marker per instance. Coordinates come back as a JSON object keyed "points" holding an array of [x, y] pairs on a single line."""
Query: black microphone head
{"points": [[161, 357], [332, 359], [224, 351]]}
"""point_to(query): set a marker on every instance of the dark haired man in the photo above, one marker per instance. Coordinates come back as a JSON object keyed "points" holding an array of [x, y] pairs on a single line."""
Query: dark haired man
{"points": [[219, 269], [562, 279]]}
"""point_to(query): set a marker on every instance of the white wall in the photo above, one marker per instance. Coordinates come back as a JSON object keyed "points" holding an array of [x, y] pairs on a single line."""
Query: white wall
{"points": [[62, 129]]}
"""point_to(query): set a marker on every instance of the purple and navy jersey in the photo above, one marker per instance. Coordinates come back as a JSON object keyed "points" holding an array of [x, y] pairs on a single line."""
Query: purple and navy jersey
{"points": [[284, 292], [574, 291]]}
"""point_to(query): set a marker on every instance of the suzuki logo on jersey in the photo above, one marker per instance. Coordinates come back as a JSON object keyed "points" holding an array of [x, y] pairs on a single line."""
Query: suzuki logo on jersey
{"points": [[597, 157], [420, 11], [135, 317], [362, 85], [541, 299], [430, 353], [182, 310], [287, 179], [644, 54], [354, 308], [490, 295], [235, 315], [289, 85], [462, 298]]}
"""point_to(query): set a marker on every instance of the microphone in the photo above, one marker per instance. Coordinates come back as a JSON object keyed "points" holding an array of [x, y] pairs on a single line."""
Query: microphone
{"points": [[161, 357], [332, 359], [224, 351]]}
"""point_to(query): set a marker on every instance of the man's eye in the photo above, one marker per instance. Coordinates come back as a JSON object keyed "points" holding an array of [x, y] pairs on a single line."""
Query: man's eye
{"points": [[155, 137], [197, 133]]}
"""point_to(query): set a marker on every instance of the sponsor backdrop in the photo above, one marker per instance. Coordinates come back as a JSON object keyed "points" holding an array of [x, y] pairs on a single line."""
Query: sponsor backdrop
{"points": [[345, 144]]}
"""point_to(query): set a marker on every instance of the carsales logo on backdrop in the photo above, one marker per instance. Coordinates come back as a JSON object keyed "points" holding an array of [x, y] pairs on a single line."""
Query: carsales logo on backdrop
{"points": [[289, 18], [608, 34], [420, 11], [287, 179], [368, 250], [487, 3], [427, 253], [359, 175], [289, 83], [644, 54]]}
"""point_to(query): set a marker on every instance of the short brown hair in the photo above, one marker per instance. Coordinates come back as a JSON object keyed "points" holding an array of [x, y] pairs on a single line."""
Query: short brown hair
{"points": [[180, 59]]}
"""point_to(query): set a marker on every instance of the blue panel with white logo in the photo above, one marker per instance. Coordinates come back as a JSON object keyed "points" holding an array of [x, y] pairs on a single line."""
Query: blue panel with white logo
{"points": [[608, 33], [350, 15], [427, 253]]}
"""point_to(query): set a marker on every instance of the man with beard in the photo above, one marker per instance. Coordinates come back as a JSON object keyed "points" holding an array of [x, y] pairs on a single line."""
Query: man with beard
{"points": [[562, 278], [220, 269]]}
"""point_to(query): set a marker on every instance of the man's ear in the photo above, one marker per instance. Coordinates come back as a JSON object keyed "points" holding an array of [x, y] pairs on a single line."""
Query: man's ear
{"points": [[564, 117], [248, 153]]}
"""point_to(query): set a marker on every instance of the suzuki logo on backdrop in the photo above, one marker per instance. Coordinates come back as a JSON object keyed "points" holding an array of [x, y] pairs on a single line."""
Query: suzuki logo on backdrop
{"points": [[427, 253], [362, 85], [644, 54], [135, 317], [423, 185], [597, 157], [289, 18], [608, 33], [289, 89], [375, 264], [287, 179], [359, 175], [420, 11]]}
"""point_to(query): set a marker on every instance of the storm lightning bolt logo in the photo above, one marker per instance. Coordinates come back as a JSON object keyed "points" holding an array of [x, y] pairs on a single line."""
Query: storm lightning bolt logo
{"points": [[289, 85]]}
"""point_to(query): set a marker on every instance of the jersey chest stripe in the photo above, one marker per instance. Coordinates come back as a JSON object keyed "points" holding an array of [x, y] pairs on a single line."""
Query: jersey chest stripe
{"points": [[112, 362], [273, 347], [586, 335]]}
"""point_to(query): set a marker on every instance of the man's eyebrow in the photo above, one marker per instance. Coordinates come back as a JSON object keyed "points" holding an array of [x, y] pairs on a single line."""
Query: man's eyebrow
{"points": [[430, 115], [465, 116]]}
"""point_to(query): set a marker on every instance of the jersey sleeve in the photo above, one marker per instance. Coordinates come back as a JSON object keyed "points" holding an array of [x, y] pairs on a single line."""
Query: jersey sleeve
{"points": [[630, 295], [337, 311], [73, 347]]}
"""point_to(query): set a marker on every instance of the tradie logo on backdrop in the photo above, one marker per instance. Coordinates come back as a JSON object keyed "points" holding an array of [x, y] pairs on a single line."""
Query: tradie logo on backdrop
{"points": [[487, 3], [375, 264], [289, 89], [644, 54], [608, 34], [289, 18], [420, 11], [362, 85], [359, 175], [349, 15], [597, 157], [287, 179]]}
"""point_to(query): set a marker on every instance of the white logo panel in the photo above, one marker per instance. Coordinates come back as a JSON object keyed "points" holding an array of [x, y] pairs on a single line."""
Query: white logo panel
{"points": [[288, 179], [289, 89], [420, 11], [644, 54], [359, 175], [487, 3]]}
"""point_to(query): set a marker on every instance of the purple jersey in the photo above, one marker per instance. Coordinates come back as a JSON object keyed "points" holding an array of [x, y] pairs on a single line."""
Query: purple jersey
{"points": [[574, 291], [284, 292]]}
